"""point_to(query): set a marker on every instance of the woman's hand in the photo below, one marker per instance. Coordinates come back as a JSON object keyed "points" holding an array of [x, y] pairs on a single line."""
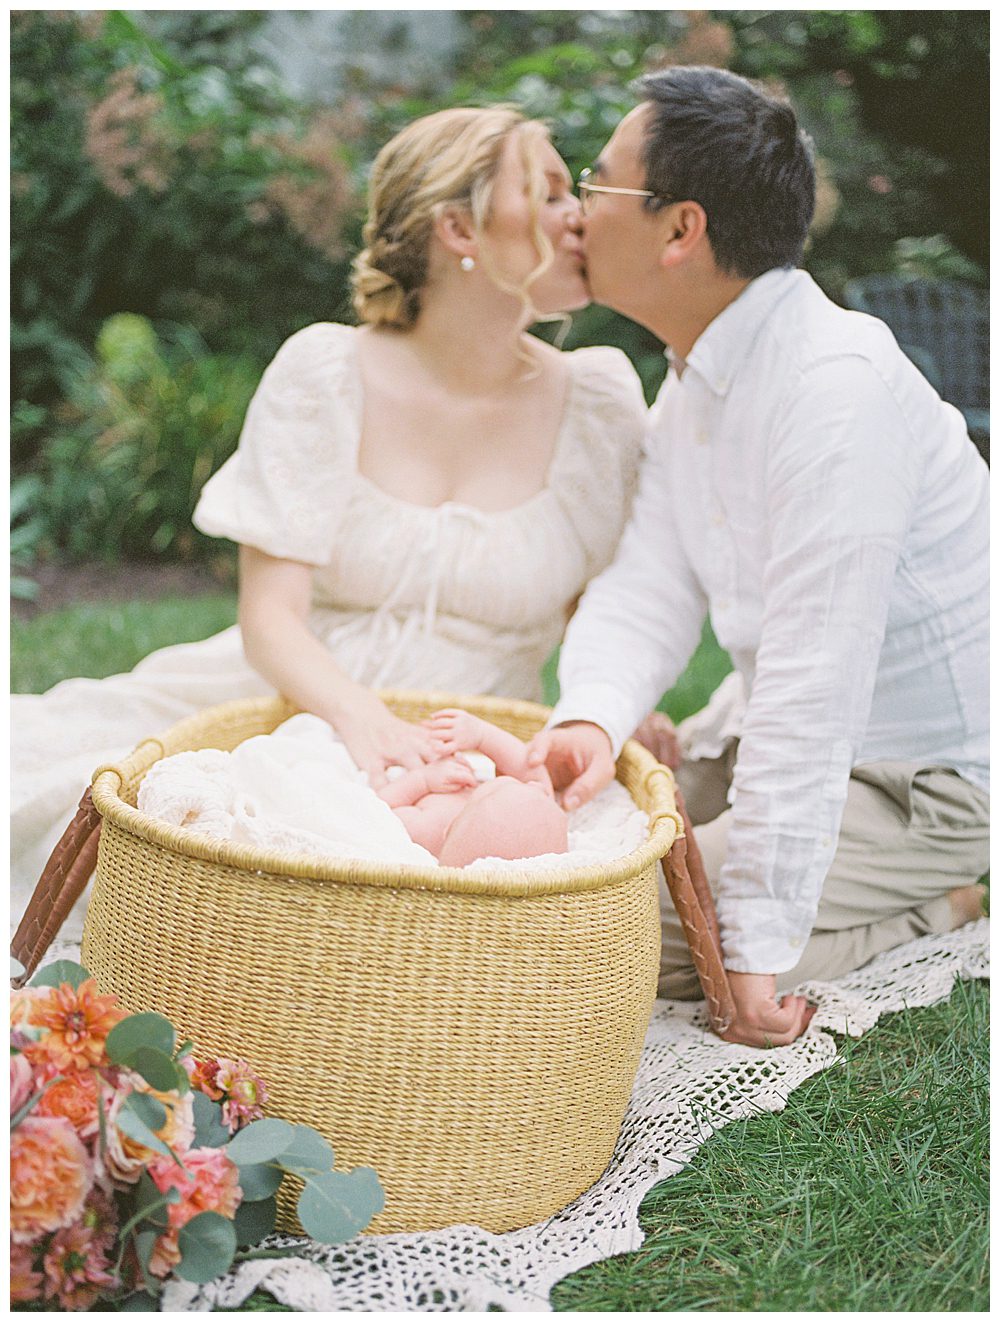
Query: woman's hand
{"points": [[377, 739]]}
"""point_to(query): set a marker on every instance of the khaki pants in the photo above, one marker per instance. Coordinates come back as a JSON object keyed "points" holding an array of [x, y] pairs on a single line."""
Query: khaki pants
{"points": [[910, 834]]}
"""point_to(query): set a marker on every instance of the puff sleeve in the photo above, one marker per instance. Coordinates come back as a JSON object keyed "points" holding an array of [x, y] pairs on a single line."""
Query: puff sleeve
{"points": [[597, 469], [286, 486]]}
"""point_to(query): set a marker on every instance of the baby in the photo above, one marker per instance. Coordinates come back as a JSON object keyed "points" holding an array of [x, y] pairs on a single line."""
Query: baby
{"points": [[445, 809]]}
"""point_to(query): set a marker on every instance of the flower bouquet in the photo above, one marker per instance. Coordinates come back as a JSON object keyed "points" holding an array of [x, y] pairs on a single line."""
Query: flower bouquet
{"points": [[131, 1160]]}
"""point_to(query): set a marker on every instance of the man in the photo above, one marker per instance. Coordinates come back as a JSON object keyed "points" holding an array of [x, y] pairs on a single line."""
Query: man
{"points": [[806, 487]]}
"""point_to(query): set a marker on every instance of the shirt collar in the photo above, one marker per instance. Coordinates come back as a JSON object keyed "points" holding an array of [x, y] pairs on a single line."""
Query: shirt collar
{"points": [[724, 343]]}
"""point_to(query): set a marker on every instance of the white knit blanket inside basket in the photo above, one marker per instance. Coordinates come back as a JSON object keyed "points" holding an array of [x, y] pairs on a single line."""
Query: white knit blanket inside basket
{"points": [[689, 1085], [297, 790]]}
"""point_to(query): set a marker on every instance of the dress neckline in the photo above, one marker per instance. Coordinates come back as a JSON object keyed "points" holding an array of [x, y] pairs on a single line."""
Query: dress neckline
{"points": [[455, 506]]}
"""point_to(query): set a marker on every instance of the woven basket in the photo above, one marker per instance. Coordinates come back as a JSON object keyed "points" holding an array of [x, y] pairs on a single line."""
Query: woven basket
{"points": [[474, 1038]]}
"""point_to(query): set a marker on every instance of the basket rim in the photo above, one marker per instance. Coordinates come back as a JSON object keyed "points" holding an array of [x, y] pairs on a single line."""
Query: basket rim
{"points": [[665, 823]]}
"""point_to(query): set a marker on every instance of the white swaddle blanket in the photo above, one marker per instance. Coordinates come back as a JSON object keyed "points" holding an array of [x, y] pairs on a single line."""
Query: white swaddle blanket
{"points": [[298, 790]]}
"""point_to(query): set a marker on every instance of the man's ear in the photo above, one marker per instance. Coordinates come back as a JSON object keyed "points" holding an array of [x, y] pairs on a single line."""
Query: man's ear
{"points": [[686, 225], [454, 230]]}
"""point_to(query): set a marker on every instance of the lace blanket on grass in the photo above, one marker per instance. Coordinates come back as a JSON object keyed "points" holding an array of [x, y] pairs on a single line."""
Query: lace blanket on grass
{"points": [[689, 1085]]}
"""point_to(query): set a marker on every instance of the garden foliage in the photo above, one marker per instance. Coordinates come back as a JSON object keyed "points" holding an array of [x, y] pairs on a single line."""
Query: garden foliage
{"points": [[160, 168]]}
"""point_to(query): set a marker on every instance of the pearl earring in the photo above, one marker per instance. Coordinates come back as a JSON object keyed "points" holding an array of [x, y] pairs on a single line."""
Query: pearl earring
{"points": [[468, 263]]}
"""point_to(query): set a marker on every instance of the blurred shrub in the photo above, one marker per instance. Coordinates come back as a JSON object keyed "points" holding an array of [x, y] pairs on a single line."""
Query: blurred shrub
{"points": [[142, 431], [159, 168], [186, 188], [26, 532]]}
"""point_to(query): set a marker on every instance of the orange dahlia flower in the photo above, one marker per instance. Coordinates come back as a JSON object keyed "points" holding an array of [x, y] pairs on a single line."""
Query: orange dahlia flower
{"points": [[78, 1022]]}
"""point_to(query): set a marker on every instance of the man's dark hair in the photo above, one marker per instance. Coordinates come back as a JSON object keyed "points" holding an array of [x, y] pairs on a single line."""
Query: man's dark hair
{"points": [[720, 140]]}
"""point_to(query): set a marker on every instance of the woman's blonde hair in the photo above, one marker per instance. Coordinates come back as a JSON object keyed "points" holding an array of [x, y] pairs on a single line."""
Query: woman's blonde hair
{"points": [[450, 158]]}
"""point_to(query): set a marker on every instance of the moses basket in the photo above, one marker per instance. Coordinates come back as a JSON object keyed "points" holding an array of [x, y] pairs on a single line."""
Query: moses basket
{"points": [[473, 1037]]}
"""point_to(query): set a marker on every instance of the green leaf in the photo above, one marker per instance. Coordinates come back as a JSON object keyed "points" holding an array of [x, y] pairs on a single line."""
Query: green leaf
{"points": [[140, 1030], [140, 1302], [17, 969], [157, 1068], [259, 1182], [309, 1151], [261, 1140], [62, 970], [131, 1123], [335, 1206], [207, 1244], [209, 1131], [149, 1109], [255, 1220], [148, 1197], [145, 1242]]}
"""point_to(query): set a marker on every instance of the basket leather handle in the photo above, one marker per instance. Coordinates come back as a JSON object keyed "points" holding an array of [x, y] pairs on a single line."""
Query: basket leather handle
{"points": [[684, 869], [60, 886]]}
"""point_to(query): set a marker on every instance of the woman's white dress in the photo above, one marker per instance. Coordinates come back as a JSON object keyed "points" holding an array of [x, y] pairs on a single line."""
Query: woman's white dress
{"points": [[447, 598]]}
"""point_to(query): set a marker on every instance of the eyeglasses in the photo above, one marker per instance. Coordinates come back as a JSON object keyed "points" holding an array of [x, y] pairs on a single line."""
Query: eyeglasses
{"points": [[586, 190]]}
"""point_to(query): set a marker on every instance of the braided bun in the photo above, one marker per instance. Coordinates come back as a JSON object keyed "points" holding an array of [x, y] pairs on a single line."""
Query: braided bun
{"points": [[448, 158], [379, 298]]}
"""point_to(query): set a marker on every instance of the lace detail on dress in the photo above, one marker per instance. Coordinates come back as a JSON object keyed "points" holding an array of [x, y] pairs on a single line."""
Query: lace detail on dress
{"points": [[689, 1085]]}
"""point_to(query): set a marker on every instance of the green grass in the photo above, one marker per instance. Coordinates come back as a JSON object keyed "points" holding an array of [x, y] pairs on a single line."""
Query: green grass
{"points": [[867, 1193], [99, 639]]}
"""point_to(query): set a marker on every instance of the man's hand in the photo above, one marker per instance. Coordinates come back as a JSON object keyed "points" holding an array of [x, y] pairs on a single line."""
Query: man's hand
{"points": [[578, 758], [761, 1020], [659, 734]]}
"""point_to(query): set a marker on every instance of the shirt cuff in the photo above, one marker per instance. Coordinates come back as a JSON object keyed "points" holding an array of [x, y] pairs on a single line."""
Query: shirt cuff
{"points": [[601, 704], [758, 936]]}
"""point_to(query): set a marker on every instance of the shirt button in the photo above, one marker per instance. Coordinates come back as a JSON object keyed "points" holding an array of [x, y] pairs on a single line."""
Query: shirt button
{"points": [[723, 603], [826, 842], [795, 942], [701, 437], [719, 521]]}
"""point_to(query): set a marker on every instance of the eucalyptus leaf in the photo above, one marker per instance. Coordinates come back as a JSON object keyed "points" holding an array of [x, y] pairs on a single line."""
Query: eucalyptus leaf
{"points": [[262, 1140], [140, 1030], [157, 1068], [62, 970], [145, 1242], [135, 1128], [255, 1220], [148, 1197], [149, 1109], [335, 1206], [260, 1181], [309, 1151], [207, 1244], [140, 1302], [209, 1131]]}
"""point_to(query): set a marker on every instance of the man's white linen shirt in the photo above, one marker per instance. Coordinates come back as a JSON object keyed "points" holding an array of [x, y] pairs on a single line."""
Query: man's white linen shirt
{"points": [[805, 486]]}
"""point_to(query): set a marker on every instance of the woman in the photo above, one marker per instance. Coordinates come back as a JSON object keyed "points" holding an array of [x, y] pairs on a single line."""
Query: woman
{"points": [[418, 501]]}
